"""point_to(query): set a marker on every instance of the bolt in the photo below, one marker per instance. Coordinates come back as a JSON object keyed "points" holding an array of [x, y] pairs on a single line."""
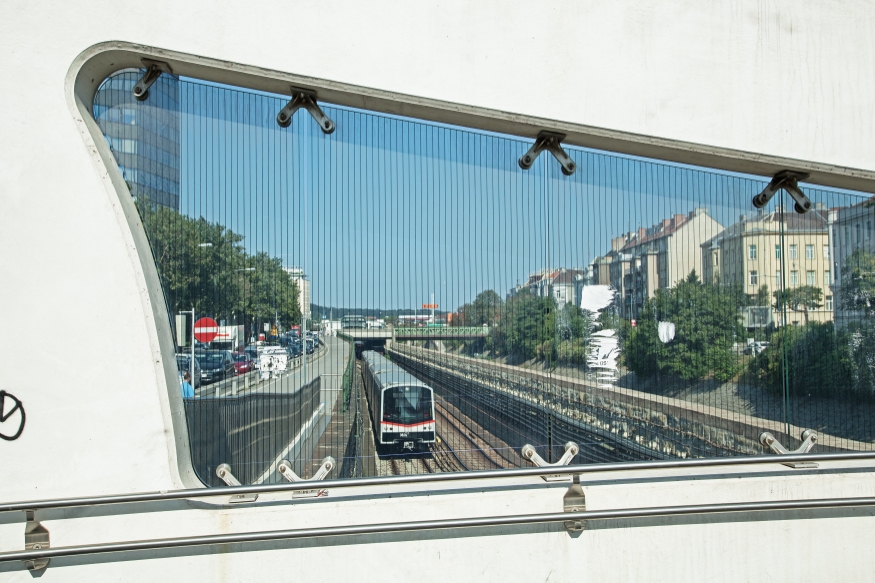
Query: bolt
{"points": [[283, 116], [527, 159], [36, 547]]}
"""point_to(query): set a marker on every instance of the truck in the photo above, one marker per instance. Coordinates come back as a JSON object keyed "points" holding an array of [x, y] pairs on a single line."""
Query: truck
{"points": [[229, 338]]}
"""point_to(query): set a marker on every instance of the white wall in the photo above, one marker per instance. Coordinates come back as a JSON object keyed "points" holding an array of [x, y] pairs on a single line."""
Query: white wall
{"points": [[757, 85]]}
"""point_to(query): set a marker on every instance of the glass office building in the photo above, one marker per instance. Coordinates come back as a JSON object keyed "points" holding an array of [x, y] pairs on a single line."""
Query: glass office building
{"points": [[144, 137]]}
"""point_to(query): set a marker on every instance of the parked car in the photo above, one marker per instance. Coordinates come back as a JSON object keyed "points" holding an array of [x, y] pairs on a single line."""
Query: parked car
{"points": [[216, 365], [183, 365]]}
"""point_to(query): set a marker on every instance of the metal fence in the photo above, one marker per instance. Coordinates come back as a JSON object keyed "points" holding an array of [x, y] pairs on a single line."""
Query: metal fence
{"points": [[249, 433]]}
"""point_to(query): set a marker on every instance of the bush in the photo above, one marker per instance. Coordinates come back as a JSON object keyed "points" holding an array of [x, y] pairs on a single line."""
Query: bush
{"points": [[819, 361]]}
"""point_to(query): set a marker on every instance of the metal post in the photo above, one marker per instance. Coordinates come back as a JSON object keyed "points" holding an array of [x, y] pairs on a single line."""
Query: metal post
{"points": [[191, 364], [304, 347]]}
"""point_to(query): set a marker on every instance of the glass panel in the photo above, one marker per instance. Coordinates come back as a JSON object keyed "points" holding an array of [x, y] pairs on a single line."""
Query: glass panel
{"points": [[639, 309]]}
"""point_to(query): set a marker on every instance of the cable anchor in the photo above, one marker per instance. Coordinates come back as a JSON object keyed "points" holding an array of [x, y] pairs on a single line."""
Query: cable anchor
{"points": [[153, 71], [285, 470], [809, 439], [550, 141], [789, 181], [571, 450], [306, 99], [224, 473]]}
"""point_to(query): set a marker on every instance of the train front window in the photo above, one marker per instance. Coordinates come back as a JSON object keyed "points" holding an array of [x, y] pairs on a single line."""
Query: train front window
{"points": [[406, 405]]}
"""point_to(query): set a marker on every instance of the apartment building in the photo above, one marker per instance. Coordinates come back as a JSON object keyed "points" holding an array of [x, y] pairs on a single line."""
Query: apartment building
{"points": [[562, 284], [759, 251], [642, 261], [850, 229]]}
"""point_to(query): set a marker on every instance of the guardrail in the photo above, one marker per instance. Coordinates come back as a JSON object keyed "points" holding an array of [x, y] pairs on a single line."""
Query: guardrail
{"points": [[434, 478], [455, 331], [580, 517]]}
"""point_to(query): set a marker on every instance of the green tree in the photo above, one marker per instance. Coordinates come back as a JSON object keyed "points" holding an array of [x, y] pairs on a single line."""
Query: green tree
{"points": [[525, 330], [858, 282], [799, 299], [706, 324], [819, 362], [204, 266]]}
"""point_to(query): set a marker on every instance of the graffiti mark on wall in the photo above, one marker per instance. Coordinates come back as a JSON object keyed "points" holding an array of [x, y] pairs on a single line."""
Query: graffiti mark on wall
{"points": [[11, 417]]}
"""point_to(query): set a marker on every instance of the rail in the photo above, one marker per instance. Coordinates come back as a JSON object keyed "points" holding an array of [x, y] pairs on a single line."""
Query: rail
{"points": [[433, 478], [455, 331], [250, 537]]}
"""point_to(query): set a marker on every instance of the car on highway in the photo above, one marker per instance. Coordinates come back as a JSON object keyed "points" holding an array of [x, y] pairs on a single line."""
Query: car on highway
{"points": [[216, 365], [183, 366], [242, 363]]}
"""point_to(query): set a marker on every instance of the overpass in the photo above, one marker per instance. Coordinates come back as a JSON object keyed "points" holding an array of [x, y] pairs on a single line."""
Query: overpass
{"points": [[447, 333]]}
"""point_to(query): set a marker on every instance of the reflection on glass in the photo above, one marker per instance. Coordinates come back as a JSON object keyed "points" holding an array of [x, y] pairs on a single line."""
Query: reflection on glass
{"points": [[642, 310]]}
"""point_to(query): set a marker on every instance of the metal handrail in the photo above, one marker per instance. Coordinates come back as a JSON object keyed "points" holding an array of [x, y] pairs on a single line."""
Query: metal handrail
{"points": [[249, 537], [429, 478]]}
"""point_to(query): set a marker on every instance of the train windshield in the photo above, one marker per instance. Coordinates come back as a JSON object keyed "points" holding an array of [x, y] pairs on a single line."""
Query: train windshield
{"points": [[407, 404]]}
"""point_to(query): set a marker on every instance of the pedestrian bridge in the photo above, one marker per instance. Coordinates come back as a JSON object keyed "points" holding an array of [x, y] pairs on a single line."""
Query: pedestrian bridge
{"points": [[448, 333]]}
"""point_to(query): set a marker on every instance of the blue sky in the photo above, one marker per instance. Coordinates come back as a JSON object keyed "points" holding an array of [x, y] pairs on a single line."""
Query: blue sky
{"points": [[387, 210]]}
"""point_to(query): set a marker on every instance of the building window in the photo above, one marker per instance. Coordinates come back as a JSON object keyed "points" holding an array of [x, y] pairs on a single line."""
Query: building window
{"points": [[754, 278], [792, 251], [752, 252], [828, 303], [857, 229], [794, 277], [716, 261], [825, 278], [868, 230], [809, 252], [810, 278], [826, 251], [778, 282], [777, 251]]}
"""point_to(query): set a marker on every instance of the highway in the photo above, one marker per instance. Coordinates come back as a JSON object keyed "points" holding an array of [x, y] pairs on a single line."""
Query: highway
{"points": [[330, 360]]}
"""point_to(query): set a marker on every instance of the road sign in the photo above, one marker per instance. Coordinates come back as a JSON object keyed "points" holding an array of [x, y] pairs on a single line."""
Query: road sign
{"points": [[205, 330], [429, 306]]}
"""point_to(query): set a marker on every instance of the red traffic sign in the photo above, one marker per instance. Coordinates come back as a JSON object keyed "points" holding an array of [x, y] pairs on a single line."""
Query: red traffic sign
{"points": [[429, 306], [206, 329]]}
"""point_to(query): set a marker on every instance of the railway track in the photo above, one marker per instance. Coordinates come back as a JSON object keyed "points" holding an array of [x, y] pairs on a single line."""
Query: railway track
{"points": [[469, 449]]}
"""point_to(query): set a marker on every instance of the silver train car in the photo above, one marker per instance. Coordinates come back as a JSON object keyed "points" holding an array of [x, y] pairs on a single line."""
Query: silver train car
{"points": [[401, 406]]}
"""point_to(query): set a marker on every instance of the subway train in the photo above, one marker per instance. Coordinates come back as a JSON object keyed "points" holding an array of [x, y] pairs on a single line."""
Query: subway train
{"points": [[401, 406]]}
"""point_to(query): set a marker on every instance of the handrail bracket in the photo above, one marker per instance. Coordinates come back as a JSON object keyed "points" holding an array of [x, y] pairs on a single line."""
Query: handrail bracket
{"points": [[575, 501], [36, 537]]}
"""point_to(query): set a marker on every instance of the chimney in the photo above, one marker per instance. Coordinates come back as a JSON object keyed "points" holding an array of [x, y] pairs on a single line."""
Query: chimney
{"points": [[678, 219], [642, 232], [666, 223]]}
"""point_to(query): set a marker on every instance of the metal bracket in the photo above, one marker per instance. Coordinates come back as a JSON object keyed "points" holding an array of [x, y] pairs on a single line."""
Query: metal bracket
{"points": [[153, 71], [789, 181], [549, 141], [574, 501], [809, 438], [36, 537], [224, 473], [306, 99], [285, 470], [571, 450]]}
